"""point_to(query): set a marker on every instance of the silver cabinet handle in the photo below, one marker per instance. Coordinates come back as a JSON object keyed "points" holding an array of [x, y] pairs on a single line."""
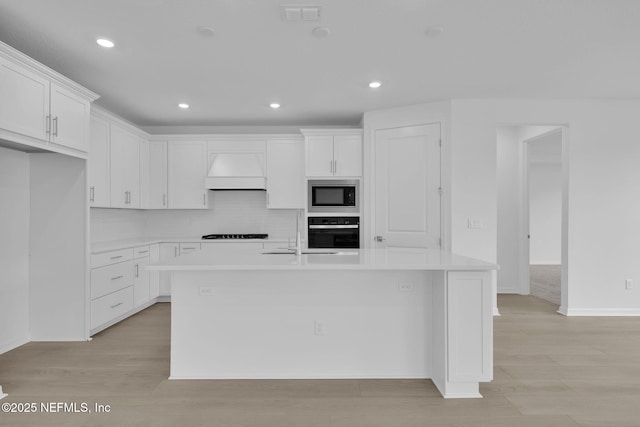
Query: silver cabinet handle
{"points": [[142, 252], [204, 199], [55, 126], [117, 277], [116, 257], [125, 197], [137, 270], [335, 167], [116, 305], [379, 238], [175, 252], [164, 200], [48, 119], [92, 197]]}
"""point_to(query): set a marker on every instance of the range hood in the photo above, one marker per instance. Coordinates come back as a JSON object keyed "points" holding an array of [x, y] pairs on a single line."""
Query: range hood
{"points": [[237, 171]]}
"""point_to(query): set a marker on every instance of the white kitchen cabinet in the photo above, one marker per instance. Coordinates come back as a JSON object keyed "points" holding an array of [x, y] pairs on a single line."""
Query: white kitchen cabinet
{"points": [[167, 251], [37, 110], [285, 174], [24, 104], [141, 293], [145, 184], [333, 153], [187, 171], [154, 276], [98, 164], [158, 175], [125, 168], [69, 118], [189, 248]]}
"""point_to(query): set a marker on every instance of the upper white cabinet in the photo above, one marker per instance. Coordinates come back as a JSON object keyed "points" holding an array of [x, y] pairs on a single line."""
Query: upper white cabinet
{"points": [[98, 165], [39, 107], [144, 173], [125, 168], [333, 152], [285, 174], [158, 175], [187, 171]]}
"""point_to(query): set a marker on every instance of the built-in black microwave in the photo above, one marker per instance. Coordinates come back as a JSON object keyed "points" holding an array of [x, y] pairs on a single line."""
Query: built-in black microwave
{"points": [[338, 196]]}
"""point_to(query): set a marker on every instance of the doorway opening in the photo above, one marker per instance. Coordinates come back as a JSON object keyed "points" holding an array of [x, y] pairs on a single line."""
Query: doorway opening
{"points": [[532, 221]]}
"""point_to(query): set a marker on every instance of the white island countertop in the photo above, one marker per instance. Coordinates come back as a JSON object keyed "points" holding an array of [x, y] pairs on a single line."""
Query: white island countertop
{"points": [[342, 259]]}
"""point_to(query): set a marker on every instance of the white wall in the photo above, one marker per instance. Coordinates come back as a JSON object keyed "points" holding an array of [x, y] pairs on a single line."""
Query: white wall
{"points": [[510, 187], [229, 212], [603, 183], [545, 199], [14, 248]]}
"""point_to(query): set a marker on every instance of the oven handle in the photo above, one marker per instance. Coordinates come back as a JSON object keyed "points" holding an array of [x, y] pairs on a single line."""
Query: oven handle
{"points": [[330, 227]]}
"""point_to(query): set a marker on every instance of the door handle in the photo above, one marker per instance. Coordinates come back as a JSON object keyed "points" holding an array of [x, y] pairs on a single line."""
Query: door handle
{"points": [[379, 238], [48, 119], [92, 194], [164, 200], [55, 126]]}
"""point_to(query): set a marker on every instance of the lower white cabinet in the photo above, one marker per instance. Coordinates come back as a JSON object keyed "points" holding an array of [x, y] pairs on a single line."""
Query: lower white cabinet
{"points": [[167, 251], [112, 306], [121, 284]]}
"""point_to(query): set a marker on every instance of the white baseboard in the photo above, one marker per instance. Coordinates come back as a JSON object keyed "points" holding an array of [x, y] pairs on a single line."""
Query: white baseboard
{"points": [[599, 311], [508, 291], [14, 344], [549, 262]]}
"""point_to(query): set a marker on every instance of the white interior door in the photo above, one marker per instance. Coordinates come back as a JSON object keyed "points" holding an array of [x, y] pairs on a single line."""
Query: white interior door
{"points": [[407, 186]]}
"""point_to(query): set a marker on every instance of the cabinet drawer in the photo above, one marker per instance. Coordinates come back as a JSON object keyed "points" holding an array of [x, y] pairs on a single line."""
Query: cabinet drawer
{"points": [[187, 248], [105, 280], [111, 306], [141, 251], [111, 257]]}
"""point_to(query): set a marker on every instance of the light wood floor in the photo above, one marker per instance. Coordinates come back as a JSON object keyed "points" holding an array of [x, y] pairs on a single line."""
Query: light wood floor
{"points": [[544, 282], [550, 371]]}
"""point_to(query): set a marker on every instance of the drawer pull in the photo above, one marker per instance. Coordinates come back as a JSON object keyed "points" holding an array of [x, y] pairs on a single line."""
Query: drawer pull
{"points": [[142, 252], [117, 277], [188, 249], [116, 257], [116, 305]]}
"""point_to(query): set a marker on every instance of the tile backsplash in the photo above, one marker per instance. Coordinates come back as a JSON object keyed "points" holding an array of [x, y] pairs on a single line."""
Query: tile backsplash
{"points": [[229, 212]]}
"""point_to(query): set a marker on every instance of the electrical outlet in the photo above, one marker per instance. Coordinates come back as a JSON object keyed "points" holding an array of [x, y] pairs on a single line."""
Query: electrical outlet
{"points": [[319, 328], [206, 290], [628, 284], [405, 287], [475, 223]]}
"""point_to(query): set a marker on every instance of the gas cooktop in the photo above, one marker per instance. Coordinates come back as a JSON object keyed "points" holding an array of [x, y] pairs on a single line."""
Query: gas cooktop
{"points": [[235, 236]]}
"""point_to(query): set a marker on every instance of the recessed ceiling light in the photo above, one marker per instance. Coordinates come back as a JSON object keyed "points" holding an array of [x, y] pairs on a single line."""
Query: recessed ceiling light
{"points": [[375, 84], [183, 105], [105, 43], [321, 32], [274, 105], [434, 31]]}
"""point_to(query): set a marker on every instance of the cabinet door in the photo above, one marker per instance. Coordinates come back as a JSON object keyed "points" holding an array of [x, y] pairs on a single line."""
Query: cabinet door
{"points": [[158, 175], [144, 173], [119, 196], [154, 276], [285, 175], [347, 153], [98, 164], [187, 171], [132, 171], [125, 158], [24, 103], [140, 281], [69, 119], [167, 251], [319, 155]]}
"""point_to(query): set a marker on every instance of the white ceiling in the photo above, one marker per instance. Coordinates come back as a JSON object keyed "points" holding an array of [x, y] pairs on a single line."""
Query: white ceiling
{"points": [[489, 48]]}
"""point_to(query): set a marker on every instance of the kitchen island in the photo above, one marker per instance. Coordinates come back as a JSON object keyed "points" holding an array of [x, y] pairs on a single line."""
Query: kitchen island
{"points": [[368, 313]]}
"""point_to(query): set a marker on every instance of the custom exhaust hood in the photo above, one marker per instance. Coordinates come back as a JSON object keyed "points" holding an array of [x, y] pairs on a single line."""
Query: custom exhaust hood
{"points": [[237, 171]]}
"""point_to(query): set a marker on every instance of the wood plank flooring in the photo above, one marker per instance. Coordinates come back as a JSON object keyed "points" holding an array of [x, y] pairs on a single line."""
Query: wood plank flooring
{"points": [[550, 371], [544, 282]]}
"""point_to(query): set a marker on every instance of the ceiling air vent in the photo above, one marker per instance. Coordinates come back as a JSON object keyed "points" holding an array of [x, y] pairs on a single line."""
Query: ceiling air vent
{"points": [[300, 12]]}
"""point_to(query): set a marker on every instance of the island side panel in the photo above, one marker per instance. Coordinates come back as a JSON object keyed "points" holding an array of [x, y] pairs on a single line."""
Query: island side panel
{"points": [[463, 332], [301, 324]]}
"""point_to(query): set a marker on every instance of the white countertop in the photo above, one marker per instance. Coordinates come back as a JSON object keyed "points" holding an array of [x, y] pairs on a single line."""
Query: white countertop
{"points": [[112, 245], [350, 259]]}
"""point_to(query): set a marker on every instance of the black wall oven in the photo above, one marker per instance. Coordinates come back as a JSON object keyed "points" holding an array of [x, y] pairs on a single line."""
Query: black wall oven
{"points": [[334, 232]]}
